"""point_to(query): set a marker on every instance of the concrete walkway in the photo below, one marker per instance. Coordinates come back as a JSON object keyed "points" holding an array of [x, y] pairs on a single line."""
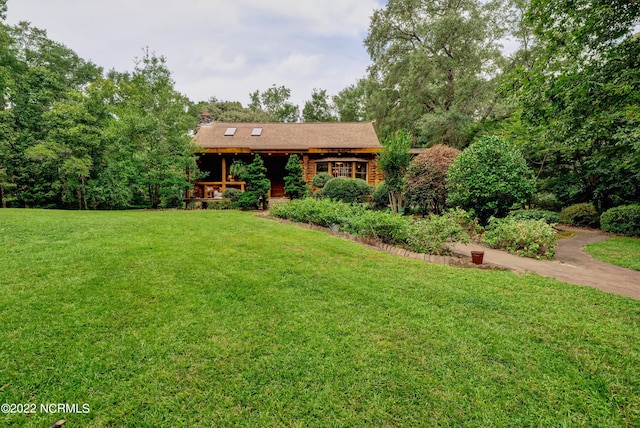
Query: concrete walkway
{"points": [[571, 264]]}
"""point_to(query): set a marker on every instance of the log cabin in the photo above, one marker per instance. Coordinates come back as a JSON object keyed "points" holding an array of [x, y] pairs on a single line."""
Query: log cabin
{"points": [[341, 149]]}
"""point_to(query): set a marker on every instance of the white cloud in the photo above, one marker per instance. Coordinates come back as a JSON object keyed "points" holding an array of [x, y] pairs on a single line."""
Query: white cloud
{"points": [[224, 48]]}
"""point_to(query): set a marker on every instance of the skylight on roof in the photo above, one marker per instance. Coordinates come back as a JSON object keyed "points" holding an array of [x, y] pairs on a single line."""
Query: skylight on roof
{"points": [[256, 132], [230, 132]]}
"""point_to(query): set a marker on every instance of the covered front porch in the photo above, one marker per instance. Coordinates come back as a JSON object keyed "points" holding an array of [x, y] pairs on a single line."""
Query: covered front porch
{"points": [[218, 177]]}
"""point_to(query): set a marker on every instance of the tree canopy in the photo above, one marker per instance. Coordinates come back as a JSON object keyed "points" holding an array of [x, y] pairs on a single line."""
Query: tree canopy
{"points": [[275, 103], [583, 94], [433, 68]]}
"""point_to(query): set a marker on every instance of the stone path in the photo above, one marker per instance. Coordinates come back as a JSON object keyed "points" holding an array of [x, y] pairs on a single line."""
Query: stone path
{"points": [[571, 264]]}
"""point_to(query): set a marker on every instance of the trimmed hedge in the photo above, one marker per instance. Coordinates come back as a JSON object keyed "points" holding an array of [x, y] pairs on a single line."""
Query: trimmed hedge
{"points": [[321, 179], [582, 215], [623, 220], [526, 238], [428, 235], [345, 189]]}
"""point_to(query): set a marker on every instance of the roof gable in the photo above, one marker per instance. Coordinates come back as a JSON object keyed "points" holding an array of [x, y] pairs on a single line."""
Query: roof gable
{"points": [[288, 136]]}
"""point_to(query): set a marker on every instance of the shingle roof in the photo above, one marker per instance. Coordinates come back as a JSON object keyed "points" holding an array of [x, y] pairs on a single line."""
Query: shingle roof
{"points": [[289, 136]]}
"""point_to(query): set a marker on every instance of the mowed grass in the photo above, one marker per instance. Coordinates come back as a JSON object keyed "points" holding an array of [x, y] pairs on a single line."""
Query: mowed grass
{"points": [[619, 251], [204, 318]]}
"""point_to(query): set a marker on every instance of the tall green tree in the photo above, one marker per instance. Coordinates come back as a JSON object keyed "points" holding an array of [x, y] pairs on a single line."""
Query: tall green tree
{"points": [[319, 108], [394, 161], [425, 188], [275, 102], [233, 111], [584, 91], [434, 64], [153, 121], [294, 185], [39, 73], [350, 103], [488, 177], [256, 194]]}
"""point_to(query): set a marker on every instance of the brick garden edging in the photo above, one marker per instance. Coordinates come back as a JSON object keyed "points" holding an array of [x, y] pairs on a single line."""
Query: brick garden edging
{"points": [[461, 261]]}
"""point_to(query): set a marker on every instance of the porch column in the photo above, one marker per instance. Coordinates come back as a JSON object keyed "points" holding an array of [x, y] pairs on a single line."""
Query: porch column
{"points": [[224, 174]]}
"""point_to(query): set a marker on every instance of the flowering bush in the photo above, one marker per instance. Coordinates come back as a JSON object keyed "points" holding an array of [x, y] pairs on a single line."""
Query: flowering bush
{"points": [[527, 238]]}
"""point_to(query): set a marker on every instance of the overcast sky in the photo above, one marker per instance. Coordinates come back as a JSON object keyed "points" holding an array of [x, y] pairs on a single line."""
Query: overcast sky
{"points": [[222, 48]]}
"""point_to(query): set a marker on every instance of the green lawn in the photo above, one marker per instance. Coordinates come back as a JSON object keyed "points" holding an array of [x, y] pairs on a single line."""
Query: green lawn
{"points": [[618, 251], [209, 318]]}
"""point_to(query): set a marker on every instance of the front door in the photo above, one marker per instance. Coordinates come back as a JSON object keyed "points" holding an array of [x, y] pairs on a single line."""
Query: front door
{"points": [[275, 165]]}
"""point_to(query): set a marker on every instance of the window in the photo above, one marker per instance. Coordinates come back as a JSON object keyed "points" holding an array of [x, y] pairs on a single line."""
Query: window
{"points": [[322, 167], [341, 169], [345, 168], [230, 132], [361, 170], [256, 132]]}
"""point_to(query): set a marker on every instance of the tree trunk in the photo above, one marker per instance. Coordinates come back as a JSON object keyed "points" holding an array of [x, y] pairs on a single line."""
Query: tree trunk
{"points": [[4, 202]]}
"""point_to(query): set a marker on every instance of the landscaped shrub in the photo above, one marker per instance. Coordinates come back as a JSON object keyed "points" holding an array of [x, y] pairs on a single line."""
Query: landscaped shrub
{"points": [[583, 215], [232, 194], [527, 238], [624, 220], [381, 196], [385, 226], [346, 189], [550, 217], [489, 176], [546, 201], [294, 185], [430, 235], [321, 179], [425, 190], [219, 204], [257, 186], [323, 212]]}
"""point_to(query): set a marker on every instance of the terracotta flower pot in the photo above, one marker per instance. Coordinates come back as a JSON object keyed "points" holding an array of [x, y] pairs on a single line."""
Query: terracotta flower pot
{"points": [[477, 257]]}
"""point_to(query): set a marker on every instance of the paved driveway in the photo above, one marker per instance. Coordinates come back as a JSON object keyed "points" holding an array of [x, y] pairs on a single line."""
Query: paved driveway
{"points": [[571, 264]]}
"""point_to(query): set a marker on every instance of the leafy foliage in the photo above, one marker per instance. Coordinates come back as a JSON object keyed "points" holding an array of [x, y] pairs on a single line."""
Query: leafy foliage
{"points": [[345, 189], [232, 194], [294, 185], [432, 67], [489, 177], [425, 187], [583, 215], [394, 160], [257, 186], [237, 168], [275, 103], [584, 91], [319, 108], [350, 103], [322, 212], [233, 111], [381, 196], [624, 220], [527, 238], [321, 179], [153, 125], [427, 235], [550, 217], [221, 204], [431, 235], [546, 201]]}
